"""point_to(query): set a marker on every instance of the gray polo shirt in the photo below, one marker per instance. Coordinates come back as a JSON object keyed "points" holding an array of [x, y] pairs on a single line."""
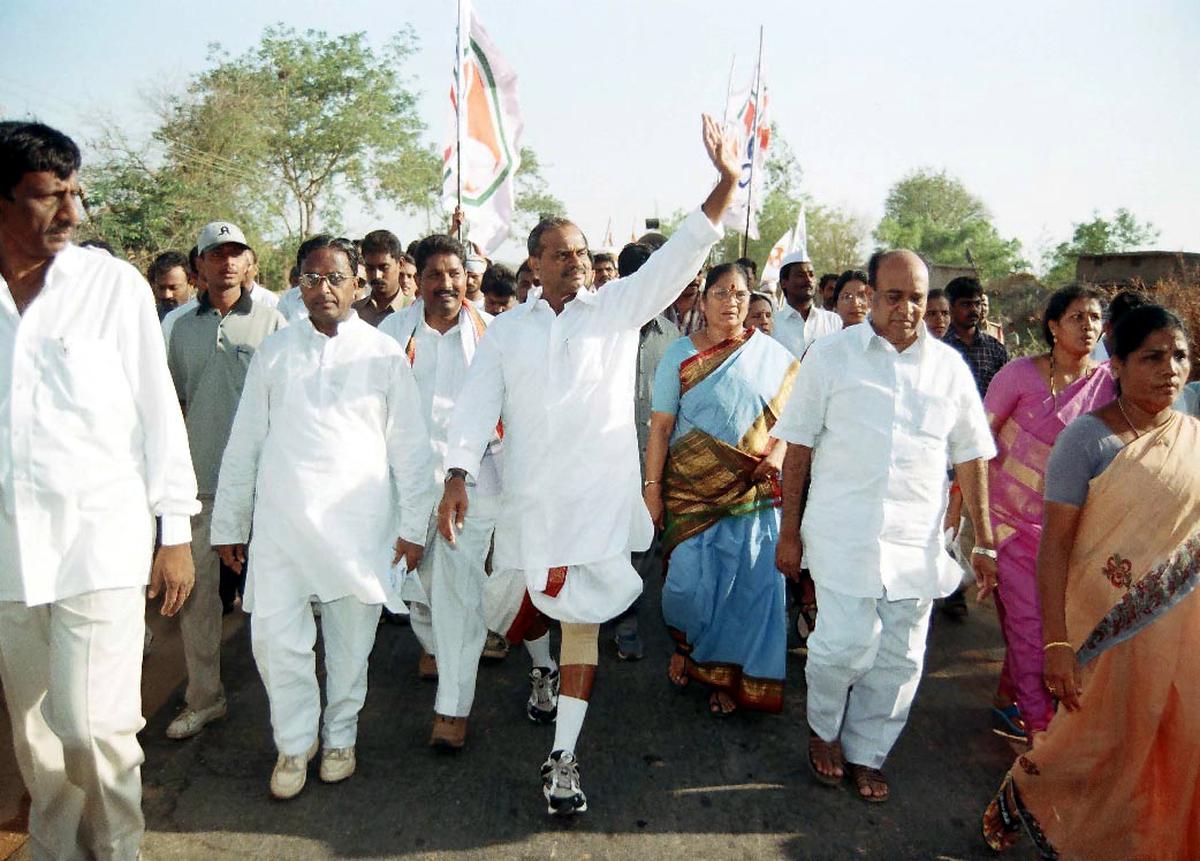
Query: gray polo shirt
{"points": [[208, 356], [655, 337]]}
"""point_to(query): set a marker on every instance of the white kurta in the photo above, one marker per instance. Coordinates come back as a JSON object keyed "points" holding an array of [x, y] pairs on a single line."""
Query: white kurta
{"points": [[439, 364], [330, 455], [882, 426], [797, 334], [92, 442], [564, 386]]}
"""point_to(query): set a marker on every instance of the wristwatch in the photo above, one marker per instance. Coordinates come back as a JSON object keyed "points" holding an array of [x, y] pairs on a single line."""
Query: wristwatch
{"points": [[455, 472]]}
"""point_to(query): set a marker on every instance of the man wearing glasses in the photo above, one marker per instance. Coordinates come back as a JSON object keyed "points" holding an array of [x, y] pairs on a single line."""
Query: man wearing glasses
{"points": [[209, 352], [328, 459]]}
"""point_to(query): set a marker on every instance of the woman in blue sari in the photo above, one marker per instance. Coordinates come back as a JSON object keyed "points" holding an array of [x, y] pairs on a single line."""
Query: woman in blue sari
{"points": [[712, 486]]}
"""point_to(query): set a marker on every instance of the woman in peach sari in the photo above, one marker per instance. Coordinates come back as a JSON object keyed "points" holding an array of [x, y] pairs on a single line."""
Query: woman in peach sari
{"points": [[1115, 773]]}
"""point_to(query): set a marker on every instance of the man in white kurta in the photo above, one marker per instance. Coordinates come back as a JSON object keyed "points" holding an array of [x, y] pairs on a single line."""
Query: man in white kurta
{"points": [[328, 460], [559, 370], [875, 412], [800, 320], [440, 334], [92, 448]]}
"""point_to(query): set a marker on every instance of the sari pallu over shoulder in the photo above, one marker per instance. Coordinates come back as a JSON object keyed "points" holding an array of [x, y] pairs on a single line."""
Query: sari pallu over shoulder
{"points": [[1093, 784], [706, 477]]}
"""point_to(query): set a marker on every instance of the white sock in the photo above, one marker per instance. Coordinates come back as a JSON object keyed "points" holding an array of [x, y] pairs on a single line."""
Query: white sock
{"points": [[539, 652], [569, 722]]}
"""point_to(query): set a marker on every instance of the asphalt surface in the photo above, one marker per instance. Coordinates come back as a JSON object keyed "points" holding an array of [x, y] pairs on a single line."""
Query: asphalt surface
{"points": [[663, 778]]}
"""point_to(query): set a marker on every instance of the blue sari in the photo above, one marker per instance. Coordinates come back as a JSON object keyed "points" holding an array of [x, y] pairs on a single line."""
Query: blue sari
{"points": [[724, 601]]}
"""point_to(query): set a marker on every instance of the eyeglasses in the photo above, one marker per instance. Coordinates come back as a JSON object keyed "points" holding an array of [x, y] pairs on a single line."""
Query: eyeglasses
{"points": [[312, 280], [723, 294]]}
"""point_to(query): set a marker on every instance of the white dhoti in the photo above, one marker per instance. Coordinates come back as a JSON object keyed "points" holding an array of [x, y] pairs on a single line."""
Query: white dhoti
{"points": [[864, 664], [577, 594], [453, 578], [72, 674], [283, 644]]}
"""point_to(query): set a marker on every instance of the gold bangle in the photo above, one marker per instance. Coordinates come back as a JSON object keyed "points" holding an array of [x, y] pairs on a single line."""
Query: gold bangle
{"points": [[649, 482], [1050, 646]]}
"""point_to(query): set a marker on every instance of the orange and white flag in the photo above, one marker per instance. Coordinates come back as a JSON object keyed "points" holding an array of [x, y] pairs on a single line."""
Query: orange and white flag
{"points": [[795, 239], [485, 120], [749, 113]]}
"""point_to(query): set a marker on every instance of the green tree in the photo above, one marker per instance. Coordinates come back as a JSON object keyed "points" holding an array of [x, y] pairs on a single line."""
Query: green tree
{"points": [[533, 197], [273, 139], [1098, 236], [932, 213]]}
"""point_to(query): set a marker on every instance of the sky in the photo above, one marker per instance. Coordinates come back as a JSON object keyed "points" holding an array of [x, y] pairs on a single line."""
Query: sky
{"points": [[1048, 111]]}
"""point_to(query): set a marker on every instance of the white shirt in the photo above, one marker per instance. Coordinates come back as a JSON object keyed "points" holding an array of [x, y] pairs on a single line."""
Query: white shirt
{"points": [[260, 295], [564, 385], [291, 306], [92, 442], [439, 365], [329, 458], [263, 296], [797, 333], [881, 425]]}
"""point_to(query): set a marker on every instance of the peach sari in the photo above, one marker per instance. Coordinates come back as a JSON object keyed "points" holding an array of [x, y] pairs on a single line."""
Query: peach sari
{"points": [[1120, 778]]}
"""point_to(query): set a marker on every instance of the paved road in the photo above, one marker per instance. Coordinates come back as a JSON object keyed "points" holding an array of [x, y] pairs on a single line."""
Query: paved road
{"points": [[664, 780]]}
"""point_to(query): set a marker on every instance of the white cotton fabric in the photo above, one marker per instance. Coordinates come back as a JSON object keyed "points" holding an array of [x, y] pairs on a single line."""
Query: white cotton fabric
{"points": [[797, 333], [882, 425], [92, 442], [439, 365], [329, 458], [865, 659], [564, 386]]}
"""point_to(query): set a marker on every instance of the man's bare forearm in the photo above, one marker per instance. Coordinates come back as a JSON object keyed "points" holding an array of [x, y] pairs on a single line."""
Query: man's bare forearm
{"points": [[972, 481], [797, 466]]}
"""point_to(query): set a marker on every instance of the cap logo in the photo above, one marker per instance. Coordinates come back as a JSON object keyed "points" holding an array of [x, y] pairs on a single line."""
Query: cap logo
{"points": [[224, 230]]}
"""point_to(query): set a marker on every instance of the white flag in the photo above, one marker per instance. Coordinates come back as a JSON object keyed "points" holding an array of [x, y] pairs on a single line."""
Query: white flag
{"points": [[485, 117], [749, 113], [795, 239]]}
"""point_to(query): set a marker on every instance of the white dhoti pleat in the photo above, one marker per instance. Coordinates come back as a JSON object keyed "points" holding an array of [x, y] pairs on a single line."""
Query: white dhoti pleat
{"points": [[456, 580], [72, 674], [864, 664], [283, 650], [592, 593]]}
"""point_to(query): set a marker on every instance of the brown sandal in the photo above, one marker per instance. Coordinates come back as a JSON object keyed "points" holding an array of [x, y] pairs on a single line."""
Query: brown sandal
{"points": [[832, 751], [871, 779]]}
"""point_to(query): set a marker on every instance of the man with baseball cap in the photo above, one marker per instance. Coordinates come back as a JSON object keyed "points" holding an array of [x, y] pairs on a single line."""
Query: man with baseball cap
{"points": [[233, 234], [208, 353], [800, 321]]}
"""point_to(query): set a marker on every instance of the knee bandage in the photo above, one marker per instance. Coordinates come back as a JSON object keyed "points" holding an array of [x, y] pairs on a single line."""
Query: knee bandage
{"points": [[580, 644]]}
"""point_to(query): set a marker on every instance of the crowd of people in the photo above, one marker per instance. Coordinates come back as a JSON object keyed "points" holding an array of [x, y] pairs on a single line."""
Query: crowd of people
{"points": [[496, 453]]}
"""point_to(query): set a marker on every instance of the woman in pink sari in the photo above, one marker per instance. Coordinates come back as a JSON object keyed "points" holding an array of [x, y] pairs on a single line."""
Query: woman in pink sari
{"points": [[1115, 775], [1029, 402]]}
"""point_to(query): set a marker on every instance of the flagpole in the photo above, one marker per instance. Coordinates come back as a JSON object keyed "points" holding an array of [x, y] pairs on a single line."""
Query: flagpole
{"points": [[458, 107], [754, 145], [728, 90]]}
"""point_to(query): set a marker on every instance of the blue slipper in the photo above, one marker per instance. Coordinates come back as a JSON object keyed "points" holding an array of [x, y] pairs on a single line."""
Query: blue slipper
{"points": [[1007, 723]]}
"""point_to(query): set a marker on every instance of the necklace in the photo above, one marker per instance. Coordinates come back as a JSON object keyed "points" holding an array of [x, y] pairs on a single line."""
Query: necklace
{"points": [[1125, 415], [1087, 369]]}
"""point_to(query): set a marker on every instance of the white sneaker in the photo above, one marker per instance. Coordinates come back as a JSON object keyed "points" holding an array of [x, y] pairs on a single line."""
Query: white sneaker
{"points": [[337, 763], [560, 785], [291, 773], [190, 721], [542, 706]]}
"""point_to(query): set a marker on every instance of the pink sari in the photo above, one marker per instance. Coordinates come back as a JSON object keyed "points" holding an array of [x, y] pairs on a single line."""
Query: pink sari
{"points": [[1032, 419]]}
